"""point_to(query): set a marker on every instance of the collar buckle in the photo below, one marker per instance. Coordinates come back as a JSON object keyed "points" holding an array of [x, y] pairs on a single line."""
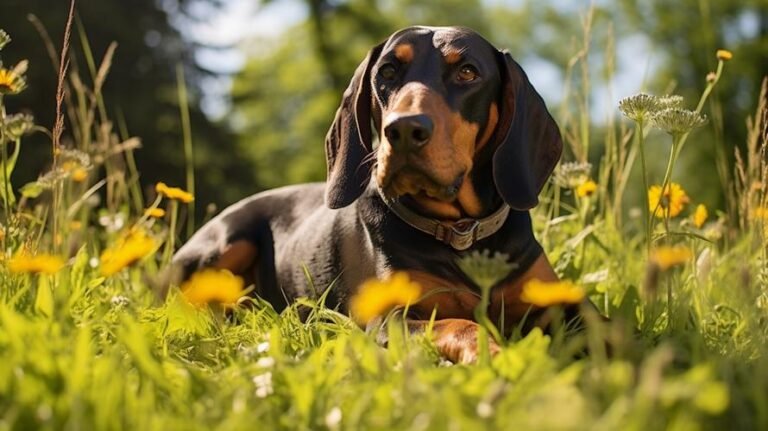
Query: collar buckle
{"points": [[460, 235]]}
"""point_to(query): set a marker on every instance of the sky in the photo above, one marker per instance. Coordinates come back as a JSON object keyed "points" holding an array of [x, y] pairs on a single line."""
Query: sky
{"points": [[241, 21]]}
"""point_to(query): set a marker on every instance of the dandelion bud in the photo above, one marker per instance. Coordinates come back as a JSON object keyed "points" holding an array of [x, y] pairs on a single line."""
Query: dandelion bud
{"points": [[700, 216], [724, 55], [711, 76]]}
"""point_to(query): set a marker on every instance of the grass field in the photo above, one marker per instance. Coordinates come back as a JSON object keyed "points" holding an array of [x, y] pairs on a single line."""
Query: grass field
{"points": [[86, 341]]}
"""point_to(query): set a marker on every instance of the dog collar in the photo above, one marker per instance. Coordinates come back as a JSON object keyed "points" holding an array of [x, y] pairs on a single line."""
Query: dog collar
{"points": [[460, 234]]}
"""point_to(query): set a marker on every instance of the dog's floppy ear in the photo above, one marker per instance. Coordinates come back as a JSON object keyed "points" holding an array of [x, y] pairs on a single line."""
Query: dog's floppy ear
{"points": [[528, 139], [349, 140]]}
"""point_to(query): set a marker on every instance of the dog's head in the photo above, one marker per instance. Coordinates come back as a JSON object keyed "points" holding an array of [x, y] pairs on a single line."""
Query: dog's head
{"points": [[458, 122]]}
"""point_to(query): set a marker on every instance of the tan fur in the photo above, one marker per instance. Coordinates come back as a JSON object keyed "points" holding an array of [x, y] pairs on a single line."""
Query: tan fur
{"points": [[404, 52], [454, 332], [507, 296], [490, 127], [448, 154], [239, 258], [450, 300], [452, 56]]}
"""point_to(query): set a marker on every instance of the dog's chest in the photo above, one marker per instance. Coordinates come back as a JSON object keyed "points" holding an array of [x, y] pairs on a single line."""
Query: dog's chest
{"points": [[452, 300]]}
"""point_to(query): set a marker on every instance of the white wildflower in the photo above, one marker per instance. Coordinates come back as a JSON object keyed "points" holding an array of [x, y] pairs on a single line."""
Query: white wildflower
{"points": [[333, 418], [119, 301], [484, 409], [265, 362], [677, 121], [262, 347], [263, 384]]}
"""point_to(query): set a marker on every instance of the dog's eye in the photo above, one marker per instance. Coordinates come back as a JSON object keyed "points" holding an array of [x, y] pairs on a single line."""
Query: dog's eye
{"points": [[388, 71], [467, 73]]}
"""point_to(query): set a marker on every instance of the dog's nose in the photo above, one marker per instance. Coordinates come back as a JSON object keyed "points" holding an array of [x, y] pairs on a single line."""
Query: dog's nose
{"points": [[409, 132]]}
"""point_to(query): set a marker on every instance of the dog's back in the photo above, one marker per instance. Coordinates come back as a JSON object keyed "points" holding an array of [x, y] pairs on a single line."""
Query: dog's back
{"points": [[287, 242]]}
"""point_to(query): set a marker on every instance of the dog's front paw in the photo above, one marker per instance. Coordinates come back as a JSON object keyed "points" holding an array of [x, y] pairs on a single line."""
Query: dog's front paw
{"points": [[456, 340]]}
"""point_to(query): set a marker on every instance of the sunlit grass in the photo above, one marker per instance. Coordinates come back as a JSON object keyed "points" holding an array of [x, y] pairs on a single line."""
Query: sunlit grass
{"points": [[89, 340]]}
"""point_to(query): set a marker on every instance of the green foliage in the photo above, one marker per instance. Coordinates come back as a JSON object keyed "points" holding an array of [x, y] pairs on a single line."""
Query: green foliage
{"points": [[79, 350], [139, 97]]}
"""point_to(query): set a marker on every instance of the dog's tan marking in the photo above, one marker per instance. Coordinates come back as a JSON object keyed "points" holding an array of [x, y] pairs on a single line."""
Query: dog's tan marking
{"points": [[436, 166], [237, 257], [509, 294], [452, 56], [455, 339], [467, 197], [490, 127], [469, 200], [449, 299], [404, 52]]}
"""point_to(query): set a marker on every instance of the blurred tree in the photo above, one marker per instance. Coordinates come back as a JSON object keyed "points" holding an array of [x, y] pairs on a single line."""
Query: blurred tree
{"points": [[140, 89]]}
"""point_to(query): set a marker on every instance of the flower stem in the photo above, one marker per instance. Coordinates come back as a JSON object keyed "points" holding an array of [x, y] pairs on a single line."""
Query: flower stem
{"points": [[674, 152], [171, 233], [644, 195], [704, 96], [669, 305]]}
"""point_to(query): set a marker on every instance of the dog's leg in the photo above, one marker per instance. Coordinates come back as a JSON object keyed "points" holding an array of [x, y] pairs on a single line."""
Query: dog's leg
{"points": [[455, 339], [239, 257]]}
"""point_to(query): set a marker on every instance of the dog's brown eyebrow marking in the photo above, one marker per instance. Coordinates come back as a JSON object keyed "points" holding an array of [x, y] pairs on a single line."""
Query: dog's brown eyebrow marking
{"points": [[404, 52], [452, 55]]}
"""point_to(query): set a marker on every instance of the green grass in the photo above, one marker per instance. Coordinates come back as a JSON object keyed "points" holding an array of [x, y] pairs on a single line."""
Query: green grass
{"points": [[82, 351]]}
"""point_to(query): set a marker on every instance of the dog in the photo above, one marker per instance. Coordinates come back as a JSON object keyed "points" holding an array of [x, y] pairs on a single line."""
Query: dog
{"points": [[465, 144]]}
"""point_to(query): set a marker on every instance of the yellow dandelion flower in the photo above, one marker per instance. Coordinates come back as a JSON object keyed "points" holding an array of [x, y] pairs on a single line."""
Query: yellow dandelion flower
{"points": [[700, 216], [69, 166], [666, 257], [154, 212], [10, 82], [671, 202], [39, 264], [586, 189], [79, 175], [760, 213], [174, 193], [376, 297], [126, 251], [547, 293], [724, 54], [213, 286]]}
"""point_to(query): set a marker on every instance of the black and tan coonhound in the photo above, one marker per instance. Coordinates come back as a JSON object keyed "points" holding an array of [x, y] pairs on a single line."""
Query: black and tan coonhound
{"points": [[465, 145]]}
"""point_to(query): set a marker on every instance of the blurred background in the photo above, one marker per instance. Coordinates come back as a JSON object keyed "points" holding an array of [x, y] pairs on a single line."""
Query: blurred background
{"points": [[265, 77]]}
